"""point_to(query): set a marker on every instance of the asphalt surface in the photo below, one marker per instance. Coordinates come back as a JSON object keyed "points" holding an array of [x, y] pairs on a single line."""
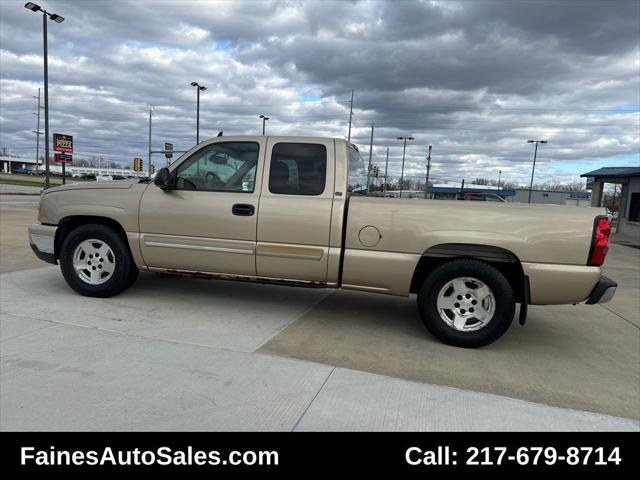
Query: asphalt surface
{"points": [[185, 354]]}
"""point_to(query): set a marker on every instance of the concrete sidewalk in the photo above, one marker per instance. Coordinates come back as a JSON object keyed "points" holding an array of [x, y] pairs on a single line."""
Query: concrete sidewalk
{"points": [[180, 354]]}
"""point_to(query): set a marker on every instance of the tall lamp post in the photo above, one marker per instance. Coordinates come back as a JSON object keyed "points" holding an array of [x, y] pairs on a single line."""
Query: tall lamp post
{"points": [[264, 120], [199, 88], [535, 154], [499, 178], [404, 149], [426, 183], [58, 19]]}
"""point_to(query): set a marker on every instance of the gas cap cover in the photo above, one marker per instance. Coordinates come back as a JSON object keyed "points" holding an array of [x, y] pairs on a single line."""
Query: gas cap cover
{"points": [[369, 236]]}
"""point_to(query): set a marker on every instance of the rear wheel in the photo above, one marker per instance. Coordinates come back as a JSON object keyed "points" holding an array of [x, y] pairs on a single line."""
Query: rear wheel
{"points": [[96, 262], [466, 303]]}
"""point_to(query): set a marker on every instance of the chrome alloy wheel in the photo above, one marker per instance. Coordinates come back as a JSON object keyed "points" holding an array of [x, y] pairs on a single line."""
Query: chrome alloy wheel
{"points": [[94, 261], [466, 304]]}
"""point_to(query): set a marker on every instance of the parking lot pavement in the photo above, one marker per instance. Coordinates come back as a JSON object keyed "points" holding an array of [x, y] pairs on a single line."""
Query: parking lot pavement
{"points": [[583, 357], [353, 400], [16, 213], [56, 376], [217, 314], [63, 377]]}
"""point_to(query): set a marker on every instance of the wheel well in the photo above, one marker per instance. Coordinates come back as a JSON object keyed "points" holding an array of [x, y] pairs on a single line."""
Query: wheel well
{"points": [[68, 224], [501, 259]]}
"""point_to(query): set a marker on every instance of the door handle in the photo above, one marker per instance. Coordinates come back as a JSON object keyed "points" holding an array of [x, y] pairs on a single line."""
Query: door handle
{"points": [[243, 209]]}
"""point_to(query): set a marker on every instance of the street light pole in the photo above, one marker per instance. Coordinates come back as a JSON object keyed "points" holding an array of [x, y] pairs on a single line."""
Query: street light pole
{"points": [[58, 19], [404, 149], [499, 178], [198, 89], [535, 154], [264, 119], [386, 169], [47, 172], [149, 161], [426, 183], [370, 158]]}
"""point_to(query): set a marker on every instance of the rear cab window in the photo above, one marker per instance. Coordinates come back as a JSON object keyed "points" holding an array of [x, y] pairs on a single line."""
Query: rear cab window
{"points": [[298, 169], [357, 172]]}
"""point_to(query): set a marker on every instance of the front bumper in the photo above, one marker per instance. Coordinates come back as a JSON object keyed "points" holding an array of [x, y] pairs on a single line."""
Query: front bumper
{"points": [[603, 292], [42, 241]]}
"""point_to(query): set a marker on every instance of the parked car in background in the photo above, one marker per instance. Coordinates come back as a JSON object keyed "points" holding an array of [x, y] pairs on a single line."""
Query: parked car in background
{"points": [[292, 211], [22, 171]]}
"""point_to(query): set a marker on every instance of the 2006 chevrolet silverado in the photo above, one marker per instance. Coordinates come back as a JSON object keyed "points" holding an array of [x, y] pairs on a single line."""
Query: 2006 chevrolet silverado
{"points": [[294, 210]]}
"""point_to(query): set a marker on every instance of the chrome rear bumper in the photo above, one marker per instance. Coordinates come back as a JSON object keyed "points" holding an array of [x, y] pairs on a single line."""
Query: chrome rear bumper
{"points": [[603, 292]]}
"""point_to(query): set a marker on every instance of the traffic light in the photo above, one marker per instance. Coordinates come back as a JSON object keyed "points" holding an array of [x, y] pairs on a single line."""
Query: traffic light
{"points": [[152, 169], [137, 164]]}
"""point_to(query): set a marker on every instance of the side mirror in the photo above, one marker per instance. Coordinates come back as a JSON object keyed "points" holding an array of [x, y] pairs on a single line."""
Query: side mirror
{"points": [[163, 179]]}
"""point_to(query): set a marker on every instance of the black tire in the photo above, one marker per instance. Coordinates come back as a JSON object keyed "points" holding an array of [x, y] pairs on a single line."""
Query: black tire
{"points": [[502, 293], [123, 275]]}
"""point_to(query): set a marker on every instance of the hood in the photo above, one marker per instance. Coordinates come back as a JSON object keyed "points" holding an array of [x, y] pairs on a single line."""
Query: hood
{"points": [[91, 185]]}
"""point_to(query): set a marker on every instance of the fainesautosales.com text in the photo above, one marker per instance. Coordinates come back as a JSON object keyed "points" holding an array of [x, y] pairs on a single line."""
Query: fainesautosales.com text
{"points": [[134, 457]]}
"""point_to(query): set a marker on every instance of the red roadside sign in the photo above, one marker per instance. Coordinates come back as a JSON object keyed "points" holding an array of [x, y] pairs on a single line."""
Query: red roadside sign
{"points": [[62, 143], [62, 158]]}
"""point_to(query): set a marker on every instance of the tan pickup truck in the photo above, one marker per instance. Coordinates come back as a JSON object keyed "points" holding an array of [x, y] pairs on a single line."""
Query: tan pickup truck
{"points": [[294, 211]]}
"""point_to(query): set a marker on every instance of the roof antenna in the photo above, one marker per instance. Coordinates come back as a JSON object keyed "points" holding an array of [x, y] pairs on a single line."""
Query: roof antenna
{"points": [[219, 134]]}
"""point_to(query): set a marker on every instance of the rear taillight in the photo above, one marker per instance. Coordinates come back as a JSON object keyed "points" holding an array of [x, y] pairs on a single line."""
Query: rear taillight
{"points": [[600, 242]]}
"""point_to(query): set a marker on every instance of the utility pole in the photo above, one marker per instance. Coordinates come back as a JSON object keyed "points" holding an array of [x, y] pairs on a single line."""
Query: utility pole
{"points": [[535, 154], [370, 157], [38, 133], [149, 163], [350, 115], [404, 149], [426, 183], [386, 169]]}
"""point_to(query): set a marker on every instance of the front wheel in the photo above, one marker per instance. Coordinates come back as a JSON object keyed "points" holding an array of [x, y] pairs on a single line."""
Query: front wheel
{"points": [[96, 262], [466, 303]]}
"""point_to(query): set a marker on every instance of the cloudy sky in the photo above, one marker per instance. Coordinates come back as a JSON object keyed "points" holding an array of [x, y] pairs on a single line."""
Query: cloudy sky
{"points": [[475, 79]]}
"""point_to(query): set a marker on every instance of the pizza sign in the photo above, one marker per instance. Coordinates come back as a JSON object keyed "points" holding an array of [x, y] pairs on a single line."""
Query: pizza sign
{"points": [[62, 143]]}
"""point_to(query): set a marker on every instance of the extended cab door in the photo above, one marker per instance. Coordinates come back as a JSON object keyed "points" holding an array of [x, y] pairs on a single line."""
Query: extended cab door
{"points": [[294, 219], [208, 223]]}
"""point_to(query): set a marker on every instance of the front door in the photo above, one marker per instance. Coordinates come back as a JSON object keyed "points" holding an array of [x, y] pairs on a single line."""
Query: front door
{"points": [[208, 223], [294, 218]]}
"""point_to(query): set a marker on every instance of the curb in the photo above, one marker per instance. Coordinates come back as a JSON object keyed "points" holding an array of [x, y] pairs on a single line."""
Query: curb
{"points": [[19, 193]]}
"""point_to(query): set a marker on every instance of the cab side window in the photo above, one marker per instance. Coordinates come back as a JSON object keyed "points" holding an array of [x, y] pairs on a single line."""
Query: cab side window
{"points": [[298, 169], [220, 167]]}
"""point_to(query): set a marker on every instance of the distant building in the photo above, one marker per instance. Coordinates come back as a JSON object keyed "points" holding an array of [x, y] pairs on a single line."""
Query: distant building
{"points": [[448, 191], [576, 199], [629, 179], [10, 163]]}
